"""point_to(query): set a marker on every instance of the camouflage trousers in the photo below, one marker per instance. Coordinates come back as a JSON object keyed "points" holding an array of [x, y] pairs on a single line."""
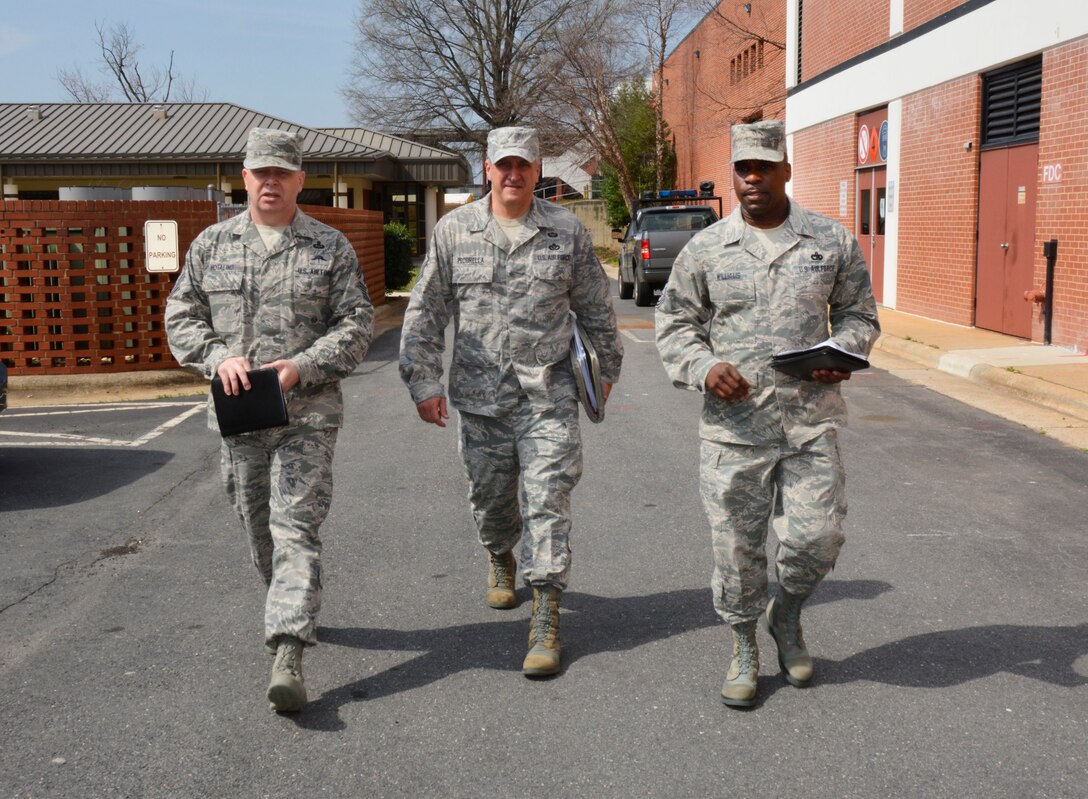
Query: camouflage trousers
{"points": [[280, 483], [522, 468], [743, 488]]}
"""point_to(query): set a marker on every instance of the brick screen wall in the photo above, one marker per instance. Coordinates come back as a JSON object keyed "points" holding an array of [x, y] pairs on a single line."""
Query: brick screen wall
{"points": [[728, 82], [75, 297], [1062, 207], [938, 202], [364, 229], [850, 28]]}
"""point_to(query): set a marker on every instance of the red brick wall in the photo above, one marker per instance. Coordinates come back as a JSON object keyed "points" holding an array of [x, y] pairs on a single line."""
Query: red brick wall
{"points": [[919, 12], [76, 298], [1062, 208], [938, 202], [705, 95], [823, 156], [853, 26]]}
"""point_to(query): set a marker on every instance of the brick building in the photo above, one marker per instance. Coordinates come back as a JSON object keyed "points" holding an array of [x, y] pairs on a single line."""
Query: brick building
{"points": [[946, 135]]}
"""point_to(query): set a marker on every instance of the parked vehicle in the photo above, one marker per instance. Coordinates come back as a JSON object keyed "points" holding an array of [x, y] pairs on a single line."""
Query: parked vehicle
{"points": [[3, 386], [660, 226]]}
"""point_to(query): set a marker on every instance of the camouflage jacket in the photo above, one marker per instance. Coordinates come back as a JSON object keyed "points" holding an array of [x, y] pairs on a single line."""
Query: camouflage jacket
{"points": [[510, 305], [305, 301], [726, 301]]}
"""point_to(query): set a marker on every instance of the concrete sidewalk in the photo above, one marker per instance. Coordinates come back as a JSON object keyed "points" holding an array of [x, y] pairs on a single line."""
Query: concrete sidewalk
{"points": [[1053, 377]]}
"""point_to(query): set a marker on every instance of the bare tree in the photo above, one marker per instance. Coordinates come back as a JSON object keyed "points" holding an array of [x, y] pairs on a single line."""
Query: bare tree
{"points": [[456, 68], [659, 20], [595, 56], [120, 61], [447, 71], [754, 25]]}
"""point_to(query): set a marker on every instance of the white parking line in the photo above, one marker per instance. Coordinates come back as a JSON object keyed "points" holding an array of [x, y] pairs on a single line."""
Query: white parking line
{"points": [[68, 410], [628, 334], [68, 439], [75, 440], [162, 428]]}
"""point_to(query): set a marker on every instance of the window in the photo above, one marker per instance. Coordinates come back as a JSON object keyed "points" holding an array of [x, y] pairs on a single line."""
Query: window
{"points": [[746, 62]]}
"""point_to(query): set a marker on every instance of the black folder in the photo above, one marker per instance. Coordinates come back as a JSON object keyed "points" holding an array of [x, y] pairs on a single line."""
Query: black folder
{"points": [[801, 363], [261, 406], [587, 372]]}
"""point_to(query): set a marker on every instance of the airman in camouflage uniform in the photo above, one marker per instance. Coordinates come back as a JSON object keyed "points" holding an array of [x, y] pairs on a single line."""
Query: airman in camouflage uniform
{"points": [[508, 269], [274, 288], [770, 277]]}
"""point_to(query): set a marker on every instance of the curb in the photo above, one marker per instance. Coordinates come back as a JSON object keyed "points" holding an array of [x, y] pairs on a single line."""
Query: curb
{"points": [[119, 381], [1066, 401]]}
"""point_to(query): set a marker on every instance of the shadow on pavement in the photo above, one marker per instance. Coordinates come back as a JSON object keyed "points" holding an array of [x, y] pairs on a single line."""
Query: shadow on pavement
{"points": [[385, 346], [951, 657], [590, 625], [46, 477]]}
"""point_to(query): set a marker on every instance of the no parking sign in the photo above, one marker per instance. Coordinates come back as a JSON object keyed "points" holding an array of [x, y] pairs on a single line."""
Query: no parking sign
{"points": [[161, 246]]}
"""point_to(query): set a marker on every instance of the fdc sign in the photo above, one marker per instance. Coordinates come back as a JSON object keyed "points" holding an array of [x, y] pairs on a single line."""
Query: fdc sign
{"points": [[161, 246]]}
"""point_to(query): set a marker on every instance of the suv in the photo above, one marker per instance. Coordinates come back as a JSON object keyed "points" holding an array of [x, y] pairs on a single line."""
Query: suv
{"points": [[660, 226]]}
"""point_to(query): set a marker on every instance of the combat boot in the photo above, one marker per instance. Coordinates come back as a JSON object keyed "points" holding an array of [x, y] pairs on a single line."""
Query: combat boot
{"points": [[739, 689], [501, 573], [287, 691], [783, 620], [543, 657]]}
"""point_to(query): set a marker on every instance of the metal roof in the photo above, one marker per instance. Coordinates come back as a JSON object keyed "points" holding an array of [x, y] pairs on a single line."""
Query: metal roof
{"points": [[59, 137], [153, 131], [420, 163], [402, 149]]}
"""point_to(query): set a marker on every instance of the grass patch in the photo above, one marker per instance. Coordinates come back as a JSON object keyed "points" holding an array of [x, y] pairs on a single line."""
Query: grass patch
{"points": [[607, 256], [413, 276]]}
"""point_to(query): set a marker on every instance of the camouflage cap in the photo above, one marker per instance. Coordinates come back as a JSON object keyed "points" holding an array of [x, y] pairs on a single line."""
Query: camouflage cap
{"points": [[273, 148], [759, 141], [522, 142]]}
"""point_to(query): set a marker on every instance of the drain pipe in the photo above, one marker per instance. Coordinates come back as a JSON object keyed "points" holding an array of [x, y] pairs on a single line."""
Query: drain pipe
{"points": [[1050, 252]]}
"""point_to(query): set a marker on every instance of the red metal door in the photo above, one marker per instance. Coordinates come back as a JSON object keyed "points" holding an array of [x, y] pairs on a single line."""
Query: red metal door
{"points": [[872, 211], [1006, 239]]}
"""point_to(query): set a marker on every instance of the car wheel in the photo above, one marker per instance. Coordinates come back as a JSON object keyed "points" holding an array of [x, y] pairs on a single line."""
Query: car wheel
{"points": [[644, 293], [626, 289]]}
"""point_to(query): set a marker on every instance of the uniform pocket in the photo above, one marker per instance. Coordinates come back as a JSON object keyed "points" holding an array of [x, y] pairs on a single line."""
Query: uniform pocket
{"points": [[551, 271], [225, 299], [471, 287], [730, 291], [311, 287]]}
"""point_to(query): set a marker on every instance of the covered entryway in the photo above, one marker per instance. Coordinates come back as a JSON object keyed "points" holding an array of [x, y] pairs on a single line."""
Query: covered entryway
{"points": [[872, 182], [872, 210]]}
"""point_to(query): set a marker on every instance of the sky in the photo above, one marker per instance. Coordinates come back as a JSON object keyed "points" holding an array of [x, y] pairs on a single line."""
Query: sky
{"points": [[286, 59]]}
